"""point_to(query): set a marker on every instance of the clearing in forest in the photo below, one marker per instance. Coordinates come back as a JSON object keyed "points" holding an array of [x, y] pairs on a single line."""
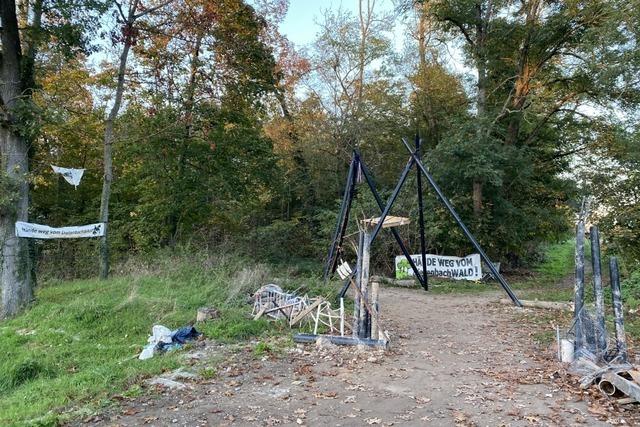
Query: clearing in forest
{"points": [[455, 360]]}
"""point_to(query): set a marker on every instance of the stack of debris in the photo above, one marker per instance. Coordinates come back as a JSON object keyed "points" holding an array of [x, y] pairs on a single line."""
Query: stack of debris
{"points": [[270, 300], [598, 359], [365, 326]]}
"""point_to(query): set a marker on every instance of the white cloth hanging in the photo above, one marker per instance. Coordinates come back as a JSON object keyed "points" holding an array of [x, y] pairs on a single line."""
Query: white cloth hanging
{"points": [[72, 176]]}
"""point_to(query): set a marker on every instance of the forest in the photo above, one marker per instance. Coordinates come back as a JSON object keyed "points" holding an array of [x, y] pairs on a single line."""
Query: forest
{"points": [[199, 123]]}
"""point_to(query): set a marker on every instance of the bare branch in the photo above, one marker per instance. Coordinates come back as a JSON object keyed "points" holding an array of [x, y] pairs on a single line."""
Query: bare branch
{"points": [[547, 117], [462, 29], [153, 9], [119, 6]]}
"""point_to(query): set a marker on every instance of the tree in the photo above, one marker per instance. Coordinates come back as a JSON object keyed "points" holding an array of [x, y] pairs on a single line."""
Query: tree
{"points": [[128, 38], [15, 275], [24, 31], [193, 151], [544, 74]]}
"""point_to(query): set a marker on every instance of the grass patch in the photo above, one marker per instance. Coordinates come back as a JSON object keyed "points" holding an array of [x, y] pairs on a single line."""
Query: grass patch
{"points": [[440, 286], [558, 261], [544, 338], [262, 349], [77, 346]]}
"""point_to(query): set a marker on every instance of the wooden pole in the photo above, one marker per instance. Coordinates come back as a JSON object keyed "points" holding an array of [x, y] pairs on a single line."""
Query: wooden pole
{"points": [[375, 288], [315, 327], [364, 284], [423, 245], [357, 297], [341, 317], [578, 290]]}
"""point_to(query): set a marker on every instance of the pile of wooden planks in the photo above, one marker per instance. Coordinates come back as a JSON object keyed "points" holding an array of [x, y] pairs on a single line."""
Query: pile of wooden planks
{"points": [[270, 300]]}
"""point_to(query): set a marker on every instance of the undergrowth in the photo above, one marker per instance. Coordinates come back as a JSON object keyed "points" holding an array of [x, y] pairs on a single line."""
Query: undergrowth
{"points": [[77, 345]]}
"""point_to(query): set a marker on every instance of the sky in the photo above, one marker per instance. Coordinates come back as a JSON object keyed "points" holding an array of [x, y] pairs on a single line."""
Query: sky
{"points": [[300, 24], [301, 28]]}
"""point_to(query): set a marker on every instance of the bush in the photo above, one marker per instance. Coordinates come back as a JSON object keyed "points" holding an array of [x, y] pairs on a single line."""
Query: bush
{"points": [[631, 290]]}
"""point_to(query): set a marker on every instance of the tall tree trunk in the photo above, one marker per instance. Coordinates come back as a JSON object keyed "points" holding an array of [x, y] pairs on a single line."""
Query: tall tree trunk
{"points": [[16, 273], [481, 105], [481, 99], [365, 22], [424, 102], [108, 141], [15, 264], [477, 198], [189, 104]]}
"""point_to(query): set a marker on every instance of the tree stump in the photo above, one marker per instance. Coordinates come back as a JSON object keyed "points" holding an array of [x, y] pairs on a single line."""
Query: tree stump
{"points": [[207, 313]]}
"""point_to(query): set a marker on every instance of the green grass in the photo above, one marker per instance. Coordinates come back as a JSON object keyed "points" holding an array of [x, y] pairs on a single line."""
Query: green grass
{"points": [[77, 346], [548, 280], [558, 261]]}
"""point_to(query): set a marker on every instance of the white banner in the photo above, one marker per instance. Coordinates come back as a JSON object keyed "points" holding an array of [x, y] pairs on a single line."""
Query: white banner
{"points": [[450, 267], [37, 231], [72, 176]]}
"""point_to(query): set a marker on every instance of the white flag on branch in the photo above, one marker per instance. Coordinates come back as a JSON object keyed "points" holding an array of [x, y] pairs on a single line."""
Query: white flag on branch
{"points": [[37, 231], [72, 176]]}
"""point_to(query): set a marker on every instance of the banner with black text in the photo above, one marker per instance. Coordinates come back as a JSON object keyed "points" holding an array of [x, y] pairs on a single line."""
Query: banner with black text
{"points": [[449, 267], [38, 231]]}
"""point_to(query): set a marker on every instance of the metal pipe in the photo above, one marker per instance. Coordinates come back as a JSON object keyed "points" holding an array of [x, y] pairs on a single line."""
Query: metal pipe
{"points": [[334, 339], [621, 340], [392, 199], [607, 388], [421, 220], [464, 228], [601, 337], [578, 290], [347, 283], [343, 220], [395, 233]]}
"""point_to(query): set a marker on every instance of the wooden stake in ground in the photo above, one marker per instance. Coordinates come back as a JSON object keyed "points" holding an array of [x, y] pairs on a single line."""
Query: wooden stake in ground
{"points": [[579, 283], [375, 288], [365, 314], [356, 286], [341, 317]]}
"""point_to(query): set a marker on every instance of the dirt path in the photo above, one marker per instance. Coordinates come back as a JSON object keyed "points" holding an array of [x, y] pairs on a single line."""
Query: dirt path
{"points": [[454, 360]]}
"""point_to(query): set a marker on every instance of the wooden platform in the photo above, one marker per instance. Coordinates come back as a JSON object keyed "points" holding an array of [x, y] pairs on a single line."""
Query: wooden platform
{"points": [[389, 221]]}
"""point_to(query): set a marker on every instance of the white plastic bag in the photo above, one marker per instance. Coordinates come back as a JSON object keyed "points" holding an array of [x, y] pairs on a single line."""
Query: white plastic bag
{"points": [[159, 334]]}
